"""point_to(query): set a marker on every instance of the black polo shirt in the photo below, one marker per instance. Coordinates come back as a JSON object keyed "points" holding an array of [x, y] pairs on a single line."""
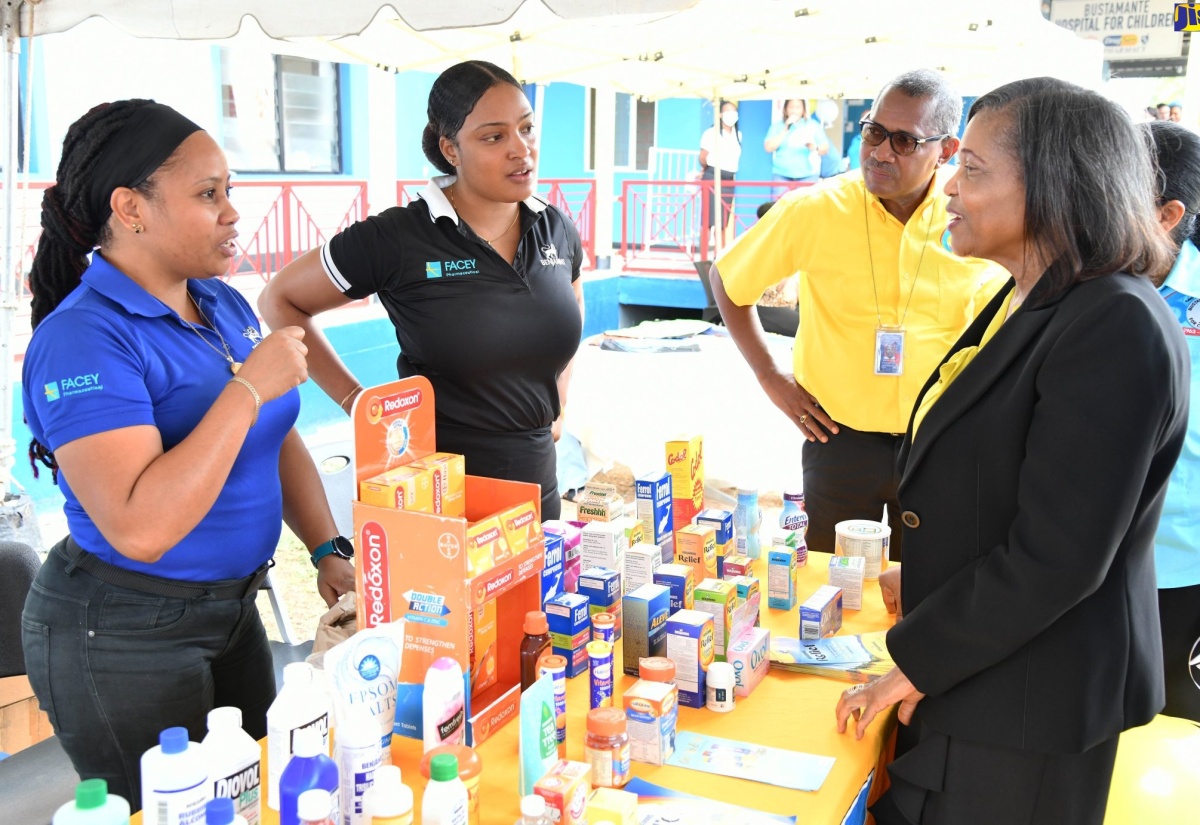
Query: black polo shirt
{"points": [[492, 337]]}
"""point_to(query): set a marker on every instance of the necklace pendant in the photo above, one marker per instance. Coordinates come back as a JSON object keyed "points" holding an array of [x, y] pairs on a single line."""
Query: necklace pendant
{"points": [[234, 366]]}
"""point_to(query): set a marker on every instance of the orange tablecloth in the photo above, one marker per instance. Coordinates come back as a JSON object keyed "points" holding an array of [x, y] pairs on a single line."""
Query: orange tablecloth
{"points": [[787, 710]]}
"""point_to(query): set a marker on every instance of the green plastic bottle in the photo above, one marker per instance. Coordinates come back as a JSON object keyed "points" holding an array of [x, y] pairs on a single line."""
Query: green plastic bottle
{"points": [[93, 805]]}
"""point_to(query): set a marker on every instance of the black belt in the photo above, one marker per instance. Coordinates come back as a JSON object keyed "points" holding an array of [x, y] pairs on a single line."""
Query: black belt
{"points": [[77, 557]]}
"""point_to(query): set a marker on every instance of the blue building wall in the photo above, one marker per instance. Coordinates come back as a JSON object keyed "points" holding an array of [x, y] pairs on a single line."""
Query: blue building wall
{"points": [[412, 101]]}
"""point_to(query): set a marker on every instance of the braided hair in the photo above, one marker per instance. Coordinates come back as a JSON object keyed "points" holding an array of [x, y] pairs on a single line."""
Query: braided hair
{"points": [[70, 232]]}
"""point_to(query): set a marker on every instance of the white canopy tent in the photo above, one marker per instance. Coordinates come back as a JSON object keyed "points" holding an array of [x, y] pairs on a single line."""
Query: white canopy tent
{"points": [[738, 49]]}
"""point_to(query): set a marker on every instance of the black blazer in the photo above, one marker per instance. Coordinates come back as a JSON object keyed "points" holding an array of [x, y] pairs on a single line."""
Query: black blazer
{"points": [[1031, 496]]}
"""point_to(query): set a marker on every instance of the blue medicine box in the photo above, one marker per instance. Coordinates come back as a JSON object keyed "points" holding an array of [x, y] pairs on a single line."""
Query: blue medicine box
{"points": [[602, 587], [570, 624], [654, 506], [553, 570]]}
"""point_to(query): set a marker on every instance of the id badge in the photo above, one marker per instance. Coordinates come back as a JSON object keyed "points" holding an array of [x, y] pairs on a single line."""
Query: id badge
{"points": [[889, 351]]}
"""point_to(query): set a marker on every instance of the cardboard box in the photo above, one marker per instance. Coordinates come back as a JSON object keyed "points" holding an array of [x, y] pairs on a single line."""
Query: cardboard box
{"points": [[599, 502], [680, 579], [653, 502], [846, 573], [651, 714], [718, 598], [414, 565], [570, 630], [486, 546], [603, 590], [685, 463], [602, 545], [722, 522], [641, 560], [690, 645], [609, 805], [552, 567], [521, 526], [633, 530], [821, 613], [483, 648], [448, 479], [404, 488], [736, 565], [667, 545], [566, 788], [781, 577], [695, 545], [750, 655], [645, 612], [749, 603], [572, 535]]}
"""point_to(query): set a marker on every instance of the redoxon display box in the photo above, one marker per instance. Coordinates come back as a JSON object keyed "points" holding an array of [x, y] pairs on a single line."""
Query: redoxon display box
{"points": [[685, 463], [414, 566], [654, 506], [645, 612]]}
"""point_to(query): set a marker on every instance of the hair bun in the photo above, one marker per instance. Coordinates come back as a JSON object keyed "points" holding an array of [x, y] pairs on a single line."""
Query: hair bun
{"points": [[431, 146]]}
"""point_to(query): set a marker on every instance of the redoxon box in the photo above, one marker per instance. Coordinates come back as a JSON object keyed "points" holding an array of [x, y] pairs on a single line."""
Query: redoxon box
{"points": [[781, 577], [690, 647], [735, 566], [404, 488], [695, 546], [486, 546], [521, 526], [447, 475], [645, 612], [602, 587], [749, 603], [680, 579], [722, 522], [572, 535], [685, 463], [414, 566], [552, 568], [654, 506], [750, 655], [641, 560], [718, 597], [821, 613], [570, 630], [651, 711], [602, 545], [847, 572], [483, 647], [599, 502]]}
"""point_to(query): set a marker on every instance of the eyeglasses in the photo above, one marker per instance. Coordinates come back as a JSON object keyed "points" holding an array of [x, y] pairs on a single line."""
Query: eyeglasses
{"points": [[902, 142]]}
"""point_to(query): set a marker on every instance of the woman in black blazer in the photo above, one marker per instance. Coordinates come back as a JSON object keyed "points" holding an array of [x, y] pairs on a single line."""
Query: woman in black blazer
{"points": [[1033, 475]]}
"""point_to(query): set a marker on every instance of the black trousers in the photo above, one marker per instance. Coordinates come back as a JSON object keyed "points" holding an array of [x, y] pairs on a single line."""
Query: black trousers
{"points": [[1179, 612], [529, 456], [726, 197], [851, 477]]}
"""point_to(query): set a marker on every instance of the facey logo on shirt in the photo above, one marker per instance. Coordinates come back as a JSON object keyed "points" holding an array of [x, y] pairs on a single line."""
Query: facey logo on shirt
{"points": [[463, 266], [550, 251], [252, 335], [73, 385]]}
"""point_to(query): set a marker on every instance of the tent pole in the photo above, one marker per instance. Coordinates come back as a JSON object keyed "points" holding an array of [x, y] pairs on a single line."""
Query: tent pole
{"points": [[718, 217], [12, 256]]}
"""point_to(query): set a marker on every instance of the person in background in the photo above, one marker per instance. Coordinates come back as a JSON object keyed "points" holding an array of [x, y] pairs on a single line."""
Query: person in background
{"points": [[167, 420], [722, 151], [1164, 111], [1177, 543], [796, 145], [1176, 115], [1035, 468], [479, 277], [873, 274]]}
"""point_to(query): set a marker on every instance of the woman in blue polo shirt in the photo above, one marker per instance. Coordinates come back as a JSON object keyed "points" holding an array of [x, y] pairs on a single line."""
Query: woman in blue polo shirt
{"points": [[1177, 543], [479, 277], [167, 420], [796, 144]]}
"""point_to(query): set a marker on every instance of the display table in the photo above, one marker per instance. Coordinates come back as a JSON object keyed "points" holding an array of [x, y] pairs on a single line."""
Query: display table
{"points": [[787, 710]]}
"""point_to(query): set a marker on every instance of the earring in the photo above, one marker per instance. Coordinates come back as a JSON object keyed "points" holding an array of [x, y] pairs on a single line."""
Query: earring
{"points": [[137, 228]]}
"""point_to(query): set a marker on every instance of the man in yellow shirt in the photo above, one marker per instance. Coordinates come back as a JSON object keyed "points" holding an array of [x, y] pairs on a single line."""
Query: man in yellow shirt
{"points": [[881, 301]]}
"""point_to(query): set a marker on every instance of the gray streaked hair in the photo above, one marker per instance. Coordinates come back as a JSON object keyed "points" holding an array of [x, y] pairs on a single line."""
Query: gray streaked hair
{"points": [[927, 84]]}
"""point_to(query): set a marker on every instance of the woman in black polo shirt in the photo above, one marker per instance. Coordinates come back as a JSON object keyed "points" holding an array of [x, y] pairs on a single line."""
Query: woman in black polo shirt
{"points": [[479, 277]]}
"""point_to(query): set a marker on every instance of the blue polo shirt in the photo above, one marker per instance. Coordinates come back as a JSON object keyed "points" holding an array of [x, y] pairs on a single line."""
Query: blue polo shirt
{"points": [[793, 158], [1177, 543], [111, 355]]}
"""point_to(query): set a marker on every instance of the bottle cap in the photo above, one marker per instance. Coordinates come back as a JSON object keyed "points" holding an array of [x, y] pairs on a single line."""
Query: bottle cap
{"points": [[314, 805], [747, 491], [219, 812], [224, 718], [533, 806], [535, 623], [90, 794], [721, 674], [604, 620], [388, 796], [173, 740], [469, 763], [606, 721], [443, 767], [656, 669], [297, 673], [307, 743], [549, 664]]}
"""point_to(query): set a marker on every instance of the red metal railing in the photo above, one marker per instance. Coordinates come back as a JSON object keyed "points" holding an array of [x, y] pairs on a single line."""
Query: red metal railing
{"points": [[576, 197], [665, 223]]}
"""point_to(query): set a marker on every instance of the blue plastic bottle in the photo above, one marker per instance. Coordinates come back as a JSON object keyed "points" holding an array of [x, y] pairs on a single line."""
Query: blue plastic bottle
{"points": [[309, 768], [746, 520]]}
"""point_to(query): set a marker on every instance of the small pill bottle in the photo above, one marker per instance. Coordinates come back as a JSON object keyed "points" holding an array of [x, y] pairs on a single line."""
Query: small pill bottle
{"points": [[607, 747]]}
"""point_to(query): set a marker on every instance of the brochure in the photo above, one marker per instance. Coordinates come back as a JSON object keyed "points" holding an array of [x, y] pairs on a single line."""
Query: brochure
{"points": [[852, 658], [662, 806], [745, 760]]}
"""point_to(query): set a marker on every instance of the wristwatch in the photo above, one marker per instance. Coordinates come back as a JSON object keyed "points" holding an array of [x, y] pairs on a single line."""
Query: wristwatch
{"points": [[339, 546]]}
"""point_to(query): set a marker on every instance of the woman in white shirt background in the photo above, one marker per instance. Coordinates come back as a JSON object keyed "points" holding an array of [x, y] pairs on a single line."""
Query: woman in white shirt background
{"points": [[721, 151]]}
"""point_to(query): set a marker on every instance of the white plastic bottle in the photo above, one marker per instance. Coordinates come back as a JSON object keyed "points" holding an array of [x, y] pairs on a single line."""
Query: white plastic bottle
{"points": [[219, 811], [93, 805], [175, 784], [234, 763], [315, 807], [358, 751], [445, 799], [301, 704], [533, 811], [443, 708], [389, 801]]}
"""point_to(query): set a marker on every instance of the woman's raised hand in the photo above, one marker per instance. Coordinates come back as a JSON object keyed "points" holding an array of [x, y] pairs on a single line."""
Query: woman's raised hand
{"points": [[277, 364]]}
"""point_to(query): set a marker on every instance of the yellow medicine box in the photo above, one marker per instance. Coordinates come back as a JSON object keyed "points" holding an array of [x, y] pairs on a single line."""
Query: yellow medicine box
{"points": [[448, 477], [404, 488]]}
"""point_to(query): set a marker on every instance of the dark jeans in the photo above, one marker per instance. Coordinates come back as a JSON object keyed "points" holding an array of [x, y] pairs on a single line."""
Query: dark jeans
{"points": [[112, 667], [726, 197], [528, 455], [851, 477], [1179, 612]]}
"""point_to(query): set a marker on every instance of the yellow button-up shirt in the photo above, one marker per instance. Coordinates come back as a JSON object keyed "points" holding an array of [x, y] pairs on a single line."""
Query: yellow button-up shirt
{"points": [[823, 232]]}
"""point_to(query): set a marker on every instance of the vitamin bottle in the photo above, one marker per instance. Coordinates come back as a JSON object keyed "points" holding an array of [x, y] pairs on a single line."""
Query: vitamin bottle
{"points": [[607, 747]]}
